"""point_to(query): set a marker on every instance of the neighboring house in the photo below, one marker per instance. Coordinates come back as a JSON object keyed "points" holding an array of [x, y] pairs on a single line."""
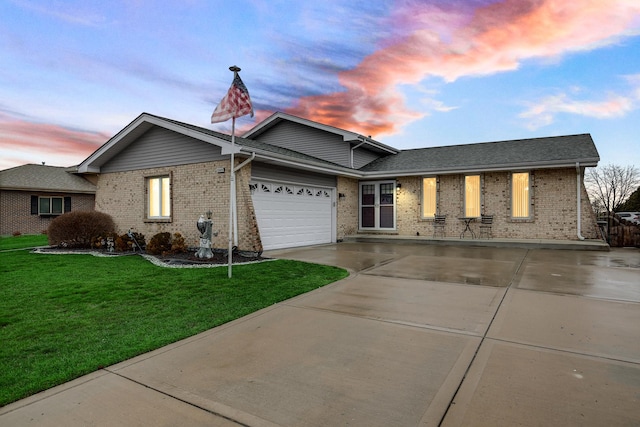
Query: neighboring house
{"points": [[32, 195], [299, 182]]}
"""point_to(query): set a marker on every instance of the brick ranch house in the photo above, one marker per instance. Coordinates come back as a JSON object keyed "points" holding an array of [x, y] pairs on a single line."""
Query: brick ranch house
{"points": [[32, 195], [300, 182]]}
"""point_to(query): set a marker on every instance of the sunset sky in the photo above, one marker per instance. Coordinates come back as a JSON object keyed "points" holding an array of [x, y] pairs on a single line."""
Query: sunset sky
{"points": [[409, 73]]}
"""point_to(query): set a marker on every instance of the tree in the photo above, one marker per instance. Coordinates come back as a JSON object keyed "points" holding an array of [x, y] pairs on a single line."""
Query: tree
{"points": [[632, 204], [611, 185]]}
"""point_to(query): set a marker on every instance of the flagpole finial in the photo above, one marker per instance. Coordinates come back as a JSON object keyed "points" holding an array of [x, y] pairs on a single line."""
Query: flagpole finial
{"points": [[234, 68]]}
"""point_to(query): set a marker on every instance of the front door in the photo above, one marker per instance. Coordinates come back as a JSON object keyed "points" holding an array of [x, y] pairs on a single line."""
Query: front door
{"points": [[377, 205]]}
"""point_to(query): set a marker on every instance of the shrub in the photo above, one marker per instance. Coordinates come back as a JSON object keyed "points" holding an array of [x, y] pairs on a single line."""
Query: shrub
{"points": [[126, 243], [77, 229], [165, 244], [159, 244], [178, 244]]}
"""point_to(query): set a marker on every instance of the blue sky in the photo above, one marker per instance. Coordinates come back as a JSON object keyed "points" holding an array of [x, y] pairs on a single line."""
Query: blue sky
{"points": [[409, 73]]}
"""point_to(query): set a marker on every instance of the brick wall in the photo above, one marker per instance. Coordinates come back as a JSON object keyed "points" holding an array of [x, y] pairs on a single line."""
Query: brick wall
{"points": [[347, 211], [248, 232], [196, 189], [553, 207], [15, 211], [408, 205]]}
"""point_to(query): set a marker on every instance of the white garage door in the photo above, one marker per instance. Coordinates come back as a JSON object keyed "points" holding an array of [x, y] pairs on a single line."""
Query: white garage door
{"points": [[292, 215]]}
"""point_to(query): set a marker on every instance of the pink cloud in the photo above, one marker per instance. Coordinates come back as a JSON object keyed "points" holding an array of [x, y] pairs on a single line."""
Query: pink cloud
{"points": [[544, 111], [25, 141], [450, 45]]}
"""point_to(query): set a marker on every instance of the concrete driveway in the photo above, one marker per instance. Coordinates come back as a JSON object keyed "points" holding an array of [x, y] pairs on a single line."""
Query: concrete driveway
{"points": [[417, 335]]}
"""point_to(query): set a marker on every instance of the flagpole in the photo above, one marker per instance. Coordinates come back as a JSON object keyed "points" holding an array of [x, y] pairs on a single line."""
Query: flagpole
{"points": [[232, 184], [232, 179], [236, 103], [231, 192]]}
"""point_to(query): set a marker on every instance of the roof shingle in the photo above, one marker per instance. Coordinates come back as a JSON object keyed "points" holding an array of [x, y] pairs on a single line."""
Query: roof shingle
{"points": [[44, 178], [549, 151]]}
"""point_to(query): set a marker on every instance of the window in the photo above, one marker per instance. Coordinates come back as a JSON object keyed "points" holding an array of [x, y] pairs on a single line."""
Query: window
{"points": [[50, 206], [520, 199], [159, 197], [472, 196], [429, 197]]}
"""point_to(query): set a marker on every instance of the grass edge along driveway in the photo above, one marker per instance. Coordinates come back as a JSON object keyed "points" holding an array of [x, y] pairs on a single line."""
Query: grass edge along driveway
{"points": [[63, 316]]}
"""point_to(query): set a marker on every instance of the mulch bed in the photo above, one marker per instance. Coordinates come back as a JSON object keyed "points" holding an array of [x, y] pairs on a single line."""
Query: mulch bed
{"points": [[186, 258]]}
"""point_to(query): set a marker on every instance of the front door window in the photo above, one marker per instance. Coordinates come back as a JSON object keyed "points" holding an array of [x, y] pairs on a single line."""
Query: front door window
{"points": [[368, 205], [377, 205]]}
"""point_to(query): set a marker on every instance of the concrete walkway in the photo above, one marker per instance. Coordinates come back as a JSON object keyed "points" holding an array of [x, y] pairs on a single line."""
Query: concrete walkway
{"points": [[417, 335]]}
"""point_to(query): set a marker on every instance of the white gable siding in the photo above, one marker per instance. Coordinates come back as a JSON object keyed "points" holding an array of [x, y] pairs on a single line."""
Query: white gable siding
{"points": [[363, 157], [160, 147], [307, 140]]}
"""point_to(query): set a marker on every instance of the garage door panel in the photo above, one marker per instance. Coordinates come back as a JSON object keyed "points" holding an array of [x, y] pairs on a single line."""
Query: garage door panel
{"points": [[290, 216]]}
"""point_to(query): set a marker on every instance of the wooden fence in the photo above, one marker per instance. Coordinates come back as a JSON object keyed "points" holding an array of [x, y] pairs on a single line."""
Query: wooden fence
{"points": [[624, 236], [621, 233]]}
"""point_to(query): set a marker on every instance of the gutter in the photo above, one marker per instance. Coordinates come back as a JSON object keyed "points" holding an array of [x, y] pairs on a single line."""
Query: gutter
{"points": [[364, 140], [322, 167], [358, 174], [378, 145], [578, 197], [304, 164], [475, 169], [48, 190]]}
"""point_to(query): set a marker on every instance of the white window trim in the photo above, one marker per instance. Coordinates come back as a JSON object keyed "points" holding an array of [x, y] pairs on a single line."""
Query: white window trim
{"points": [[377, 206]]}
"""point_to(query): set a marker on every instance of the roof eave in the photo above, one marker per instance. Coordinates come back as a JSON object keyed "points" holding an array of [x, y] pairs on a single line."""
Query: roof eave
{"points": [[380, 146], [587, 162], [47, 190], [301, 164], [353, 173]]}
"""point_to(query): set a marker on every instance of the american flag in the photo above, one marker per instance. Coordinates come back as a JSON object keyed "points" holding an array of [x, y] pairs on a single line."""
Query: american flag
{"points": [[236, 103]]}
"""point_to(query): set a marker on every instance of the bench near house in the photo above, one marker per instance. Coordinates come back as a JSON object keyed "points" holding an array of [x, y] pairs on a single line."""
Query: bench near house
{"points": [[301, 183], [32, 195]]}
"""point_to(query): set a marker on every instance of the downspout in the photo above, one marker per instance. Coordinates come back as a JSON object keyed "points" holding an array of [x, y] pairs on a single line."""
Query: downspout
{"points": [[245, 163], [578, 197], [235, 211]]}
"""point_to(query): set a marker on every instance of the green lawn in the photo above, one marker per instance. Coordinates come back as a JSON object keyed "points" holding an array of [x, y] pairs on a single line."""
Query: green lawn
{"points": [[26, 241], [62, 316]]}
